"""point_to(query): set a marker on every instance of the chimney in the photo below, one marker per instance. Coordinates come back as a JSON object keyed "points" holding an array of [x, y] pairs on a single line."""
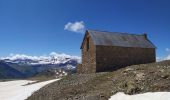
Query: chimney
{"points": [[145, 35]]}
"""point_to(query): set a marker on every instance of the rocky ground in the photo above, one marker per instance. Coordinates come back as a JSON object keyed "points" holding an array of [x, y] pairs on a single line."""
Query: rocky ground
{"points": [[100, 86]]}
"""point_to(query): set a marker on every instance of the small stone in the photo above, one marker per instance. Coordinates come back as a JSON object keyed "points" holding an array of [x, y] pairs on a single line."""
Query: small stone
{"points": [[129, 69], [140, 76], [101, 95], [161, 70], [165, 76]]}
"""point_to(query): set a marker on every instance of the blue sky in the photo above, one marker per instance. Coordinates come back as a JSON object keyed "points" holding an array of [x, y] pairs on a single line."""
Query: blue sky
{"points": [[36, 27]]}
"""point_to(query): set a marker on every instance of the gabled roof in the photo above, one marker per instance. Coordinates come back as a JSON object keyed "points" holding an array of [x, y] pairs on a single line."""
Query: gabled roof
{"points": [[120, 39]]}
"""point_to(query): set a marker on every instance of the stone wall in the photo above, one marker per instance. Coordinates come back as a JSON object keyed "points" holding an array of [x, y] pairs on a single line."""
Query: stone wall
{"points": [[88, 57], [112, 58], [108, 58], [79, 68]]}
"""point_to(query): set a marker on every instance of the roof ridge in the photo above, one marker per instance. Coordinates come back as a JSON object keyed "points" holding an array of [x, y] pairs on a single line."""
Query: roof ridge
{"points": [[120, 39], [117, 32]]}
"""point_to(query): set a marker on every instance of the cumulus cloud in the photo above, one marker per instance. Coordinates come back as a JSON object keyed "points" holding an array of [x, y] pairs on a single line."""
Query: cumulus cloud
{"points": [[19, 56], [163, 58], [167, 49], [168, 57], [49, 56], [158, 59], [77, 27]]}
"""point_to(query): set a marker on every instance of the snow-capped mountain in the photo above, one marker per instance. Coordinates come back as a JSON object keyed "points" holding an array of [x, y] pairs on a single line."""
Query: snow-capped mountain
{"points": [[27, 66], [52, 58]]}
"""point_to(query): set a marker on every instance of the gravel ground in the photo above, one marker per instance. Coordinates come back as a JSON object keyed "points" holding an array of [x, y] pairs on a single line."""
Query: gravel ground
{"points": [[134, 79]]}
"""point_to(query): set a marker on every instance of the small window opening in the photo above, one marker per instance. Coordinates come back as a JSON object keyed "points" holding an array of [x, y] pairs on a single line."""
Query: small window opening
{"points": [[87, 44]]}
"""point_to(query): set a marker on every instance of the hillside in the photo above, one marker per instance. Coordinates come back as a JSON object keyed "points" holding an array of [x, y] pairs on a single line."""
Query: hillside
{"points": [[100, 86], [7, 71]]}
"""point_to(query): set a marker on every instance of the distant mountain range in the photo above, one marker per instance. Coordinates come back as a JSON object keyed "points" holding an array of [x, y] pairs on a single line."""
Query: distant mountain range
{"points": [[22, 66]]}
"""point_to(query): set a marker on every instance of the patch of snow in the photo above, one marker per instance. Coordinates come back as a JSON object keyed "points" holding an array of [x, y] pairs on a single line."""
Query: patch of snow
{"points": [[70, 67], [144, 96], [15, 90]]}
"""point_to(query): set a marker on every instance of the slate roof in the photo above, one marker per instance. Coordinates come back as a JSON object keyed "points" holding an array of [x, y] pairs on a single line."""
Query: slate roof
{"points": [[120, 39]]}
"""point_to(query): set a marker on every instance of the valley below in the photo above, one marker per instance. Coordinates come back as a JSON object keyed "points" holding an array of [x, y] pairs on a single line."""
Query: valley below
{"points": [[22, 66]]}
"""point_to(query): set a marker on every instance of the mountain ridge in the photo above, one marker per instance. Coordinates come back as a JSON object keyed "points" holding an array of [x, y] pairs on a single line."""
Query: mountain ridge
{"points": [[7, 71], [32, 65], [52, 58]]}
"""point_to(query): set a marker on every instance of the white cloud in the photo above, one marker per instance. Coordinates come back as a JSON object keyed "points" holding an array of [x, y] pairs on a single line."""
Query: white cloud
{"points": [[77, 27], [158, 59], [167, 49], [163, 58], [168, 57], [37, 58], [19, 56]]}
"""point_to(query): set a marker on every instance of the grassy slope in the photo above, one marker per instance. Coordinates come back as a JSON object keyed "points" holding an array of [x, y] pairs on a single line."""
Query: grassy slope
{"points": [[7, 72], [131, 80], [43, 76]]}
